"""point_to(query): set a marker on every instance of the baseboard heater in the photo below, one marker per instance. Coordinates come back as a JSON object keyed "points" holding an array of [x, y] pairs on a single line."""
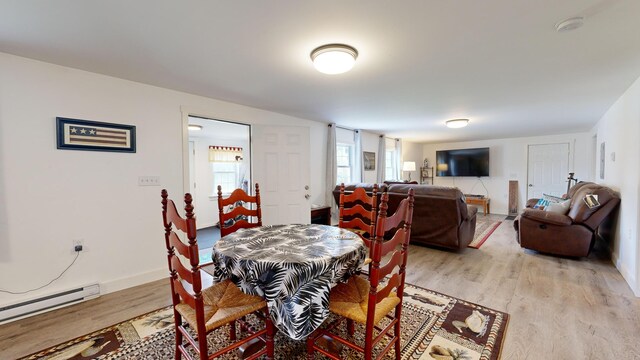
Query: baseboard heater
{"points": [[49, 302]]}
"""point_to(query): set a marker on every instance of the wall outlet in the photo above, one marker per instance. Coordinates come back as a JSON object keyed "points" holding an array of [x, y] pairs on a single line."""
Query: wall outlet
{"points": [[148, 180], [78, 246]]}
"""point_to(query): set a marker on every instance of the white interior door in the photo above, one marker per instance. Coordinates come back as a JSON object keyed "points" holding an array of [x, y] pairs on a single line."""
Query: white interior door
{"points": [[548, 168], [281, 168], [192, 168]]}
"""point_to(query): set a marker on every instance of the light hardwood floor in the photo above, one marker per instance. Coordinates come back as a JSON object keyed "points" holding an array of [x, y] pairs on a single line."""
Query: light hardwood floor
{"points": [[560, 308]]}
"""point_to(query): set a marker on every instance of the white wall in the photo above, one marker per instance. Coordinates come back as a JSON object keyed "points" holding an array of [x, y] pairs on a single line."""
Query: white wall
{"points": [[370, 144], [619, 129], [508, 161], [50, 197], [412, 152]]}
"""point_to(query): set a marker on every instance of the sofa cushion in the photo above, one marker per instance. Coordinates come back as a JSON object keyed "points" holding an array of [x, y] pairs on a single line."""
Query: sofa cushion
{"points": [[559, 208]]}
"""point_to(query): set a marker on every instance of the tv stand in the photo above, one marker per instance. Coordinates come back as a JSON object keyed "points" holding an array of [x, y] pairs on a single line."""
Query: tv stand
{"points": [[481, 200]]}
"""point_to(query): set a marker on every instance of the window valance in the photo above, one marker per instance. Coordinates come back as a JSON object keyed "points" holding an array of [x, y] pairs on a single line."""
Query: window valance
{"points": [[225, 154]]}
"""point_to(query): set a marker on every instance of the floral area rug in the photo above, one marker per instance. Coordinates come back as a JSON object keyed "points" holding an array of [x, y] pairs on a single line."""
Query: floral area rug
{"points": [[434, 326], [484, 229]]}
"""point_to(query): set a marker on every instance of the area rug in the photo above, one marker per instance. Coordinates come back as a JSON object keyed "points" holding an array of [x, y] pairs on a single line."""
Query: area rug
{"points": [[484, 229], [434, 326]]}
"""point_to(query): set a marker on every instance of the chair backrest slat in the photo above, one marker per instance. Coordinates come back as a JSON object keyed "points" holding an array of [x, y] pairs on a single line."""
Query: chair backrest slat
{"points": [[401, 222], [185, 295], [245, 210], [357, 213], [394, 282], [178, 272]]}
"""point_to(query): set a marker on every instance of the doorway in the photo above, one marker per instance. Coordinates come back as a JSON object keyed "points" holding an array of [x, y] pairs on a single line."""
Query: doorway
{"points": [[548, 167], [219, 154]]}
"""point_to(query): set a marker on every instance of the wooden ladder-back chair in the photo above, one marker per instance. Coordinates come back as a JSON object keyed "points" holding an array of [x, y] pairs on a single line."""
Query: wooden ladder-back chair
{"points": [[205, 310], [357, 213], [241, 213], [368, 301]]}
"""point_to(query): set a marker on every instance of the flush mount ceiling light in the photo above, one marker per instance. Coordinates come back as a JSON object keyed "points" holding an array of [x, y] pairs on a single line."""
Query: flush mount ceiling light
{"points": [[334, 58], [570, 24], [194, 127], [457, 123]]}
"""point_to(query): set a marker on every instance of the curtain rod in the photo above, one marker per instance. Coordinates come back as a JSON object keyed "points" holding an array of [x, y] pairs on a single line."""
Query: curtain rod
{"points": [[344, 128]]}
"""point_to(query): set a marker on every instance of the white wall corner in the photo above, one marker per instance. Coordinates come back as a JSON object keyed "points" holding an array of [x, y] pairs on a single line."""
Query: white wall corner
{"points": [[628, 276]]}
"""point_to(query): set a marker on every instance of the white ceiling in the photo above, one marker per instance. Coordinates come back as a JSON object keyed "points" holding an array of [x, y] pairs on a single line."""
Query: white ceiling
{"points": [[499, 63]]}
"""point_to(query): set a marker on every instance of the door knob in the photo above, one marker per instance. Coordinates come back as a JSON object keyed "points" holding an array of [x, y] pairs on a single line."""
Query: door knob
{"points": [[306, 187], [307, 196], [530, 185]]}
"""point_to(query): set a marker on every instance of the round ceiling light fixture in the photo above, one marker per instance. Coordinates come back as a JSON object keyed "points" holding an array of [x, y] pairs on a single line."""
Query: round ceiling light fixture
{"points": [[457, 123], [334, 58], [570, 24], [195, 127]]}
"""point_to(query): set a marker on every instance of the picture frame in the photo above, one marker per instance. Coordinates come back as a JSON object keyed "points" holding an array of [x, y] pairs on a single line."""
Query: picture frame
{"points": [[369, 160], [76, 134]]}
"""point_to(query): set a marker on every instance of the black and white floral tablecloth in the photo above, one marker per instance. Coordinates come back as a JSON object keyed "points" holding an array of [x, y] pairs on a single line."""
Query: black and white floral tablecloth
{"points": [[292, 266]]}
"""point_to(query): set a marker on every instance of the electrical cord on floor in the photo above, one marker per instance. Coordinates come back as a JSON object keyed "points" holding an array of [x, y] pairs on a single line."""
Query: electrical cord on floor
{"points": [[45, 285]]}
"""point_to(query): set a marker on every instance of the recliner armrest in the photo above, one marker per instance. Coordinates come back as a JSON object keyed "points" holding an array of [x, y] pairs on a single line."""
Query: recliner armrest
{"points": [[531, 203], [547, 217]]}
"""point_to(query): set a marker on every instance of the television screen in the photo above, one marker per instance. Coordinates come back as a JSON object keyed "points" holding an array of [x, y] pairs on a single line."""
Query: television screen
{"points": [[462, 162]]}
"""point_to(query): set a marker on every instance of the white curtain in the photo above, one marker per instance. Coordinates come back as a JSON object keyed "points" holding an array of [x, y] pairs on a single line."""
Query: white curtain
{"points": [[382, 149], [332, 167], [358, 162], [224, 153], [398, 159]]}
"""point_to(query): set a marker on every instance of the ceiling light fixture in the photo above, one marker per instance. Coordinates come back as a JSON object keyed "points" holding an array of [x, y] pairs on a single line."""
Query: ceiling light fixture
{"points": [[195, 127], [457, 123], [334, 58], [570, 24]]}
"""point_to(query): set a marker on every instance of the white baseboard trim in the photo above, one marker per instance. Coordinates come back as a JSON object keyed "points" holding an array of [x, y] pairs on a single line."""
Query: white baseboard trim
{"points": [[135, 280], [626, 274]]}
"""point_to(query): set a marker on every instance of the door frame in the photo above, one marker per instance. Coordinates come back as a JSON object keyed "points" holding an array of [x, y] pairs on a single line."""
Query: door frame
{"points": [[190, 111]]}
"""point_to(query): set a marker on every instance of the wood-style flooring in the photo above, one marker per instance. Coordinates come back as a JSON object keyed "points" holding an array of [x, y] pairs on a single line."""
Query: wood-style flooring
{"points": [[560, 308]]}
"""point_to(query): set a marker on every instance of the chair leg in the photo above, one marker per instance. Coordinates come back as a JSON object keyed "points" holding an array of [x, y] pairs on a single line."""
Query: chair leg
{"points": [[232, 331], [350, 327], [270, 335], [178, 321], [311, 339], [396, 331]]}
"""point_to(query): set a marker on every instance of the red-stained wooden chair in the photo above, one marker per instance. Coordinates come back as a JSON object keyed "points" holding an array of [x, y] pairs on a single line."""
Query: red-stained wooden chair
{"points": [[205, 307], [242, 211], [361, 219], [368, 301]]}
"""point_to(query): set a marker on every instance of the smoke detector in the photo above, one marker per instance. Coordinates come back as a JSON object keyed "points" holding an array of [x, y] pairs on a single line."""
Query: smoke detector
{"points": [[570, 24]]}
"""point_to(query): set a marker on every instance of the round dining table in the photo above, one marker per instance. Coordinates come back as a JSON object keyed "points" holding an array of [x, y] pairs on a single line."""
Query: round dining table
{"points": [[293, 267]]}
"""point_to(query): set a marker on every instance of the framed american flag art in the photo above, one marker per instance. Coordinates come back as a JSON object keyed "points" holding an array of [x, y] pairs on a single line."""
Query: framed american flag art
{"points": [[74, 134]]}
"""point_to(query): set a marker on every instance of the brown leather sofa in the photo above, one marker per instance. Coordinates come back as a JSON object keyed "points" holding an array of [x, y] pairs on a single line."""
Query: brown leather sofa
{"points": [[440, 215], [572, 234]]}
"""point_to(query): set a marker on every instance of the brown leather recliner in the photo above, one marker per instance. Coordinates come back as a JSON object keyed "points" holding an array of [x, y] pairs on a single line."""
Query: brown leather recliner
{"points": [[440, 215], [572, 234]]}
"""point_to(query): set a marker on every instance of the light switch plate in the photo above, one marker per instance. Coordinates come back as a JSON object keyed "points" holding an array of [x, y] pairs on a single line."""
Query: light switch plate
{"points": [[148, 180]]}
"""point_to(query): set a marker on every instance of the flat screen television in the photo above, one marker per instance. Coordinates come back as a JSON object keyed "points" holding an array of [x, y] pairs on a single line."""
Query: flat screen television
{"points": [[463, 162]]}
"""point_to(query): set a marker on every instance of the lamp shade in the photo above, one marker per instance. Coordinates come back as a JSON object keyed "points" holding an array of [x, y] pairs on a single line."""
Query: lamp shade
{"points": [[409, 166], [334, 58], [442, 167]]}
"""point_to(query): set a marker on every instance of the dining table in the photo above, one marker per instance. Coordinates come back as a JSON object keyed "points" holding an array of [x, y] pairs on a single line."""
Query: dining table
{"points": [[293, 267]]}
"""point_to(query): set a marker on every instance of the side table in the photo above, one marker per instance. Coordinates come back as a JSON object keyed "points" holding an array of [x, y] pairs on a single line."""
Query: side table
{"points": [[485, 202]]}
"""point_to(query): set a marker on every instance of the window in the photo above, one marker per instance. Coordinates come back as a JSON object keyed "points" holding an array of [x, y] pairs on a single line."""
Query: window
{"points": [[389, 162], [344, 160], [225, 174]]}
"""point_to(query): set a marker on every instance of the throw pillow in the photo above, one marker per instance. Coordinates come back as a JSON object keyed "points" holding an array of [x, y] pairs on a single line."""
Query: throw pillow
{"points": [[541, 204], [559, 208], [553, 199]]}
